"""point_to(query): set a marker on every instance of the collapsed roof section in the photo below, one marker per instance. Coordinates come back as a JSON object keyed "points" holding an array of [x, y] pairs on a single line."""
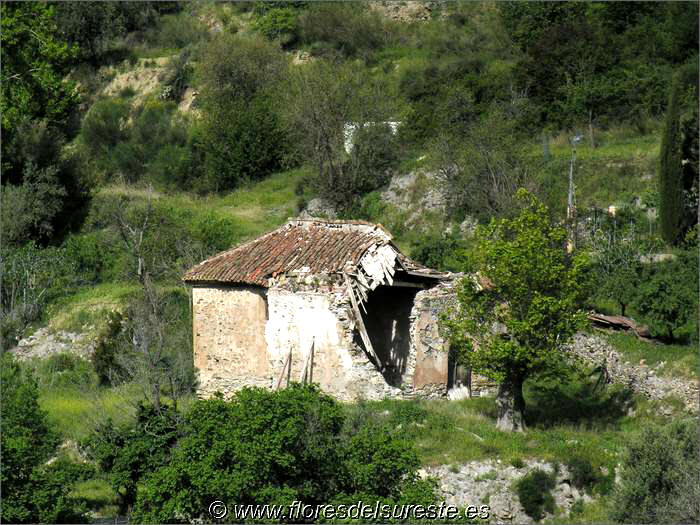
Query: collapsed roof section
{"points": [[358, 250]]}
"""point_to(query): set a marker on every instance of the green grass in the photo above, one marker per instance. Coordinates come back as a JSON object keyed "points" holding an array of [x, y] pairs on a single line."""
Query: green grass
{"points": [[253, 209], [681, 360], [86, 308], [75, 413], [560, 427], [98, 496]]}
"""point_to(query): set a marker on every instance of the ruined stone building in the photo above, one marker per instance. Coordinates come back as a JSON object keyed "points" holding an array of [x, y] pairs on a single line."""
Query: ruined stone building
{"points": [[333, 302]]}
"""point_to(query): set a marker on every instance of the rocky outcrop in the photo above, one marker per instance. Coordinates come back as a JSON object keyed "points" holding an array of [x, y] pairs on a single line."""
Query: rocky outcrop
{"points": [[490, 482], [45, 343], [641, 379]]}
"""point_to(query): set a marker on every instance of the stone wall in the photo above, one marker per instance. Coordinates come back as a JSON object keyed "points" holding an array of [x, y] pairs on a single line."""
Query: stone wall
{"points": [[431, 365], [228, 325], [641, 379]]}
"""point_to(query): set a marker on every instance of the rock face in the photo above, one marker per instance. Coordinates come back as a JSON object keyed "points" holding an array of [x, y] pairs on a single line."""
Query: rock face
{"points": [[409, 11], [319, 208], [641, 379], [417, 191], [44, 343], [491, 482]]}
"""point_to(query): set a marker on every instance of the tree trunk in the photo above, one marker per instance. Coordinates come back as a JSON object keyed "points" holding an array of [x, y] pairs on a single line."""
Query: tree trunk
{"points": [[511, 406], [155, 394]]}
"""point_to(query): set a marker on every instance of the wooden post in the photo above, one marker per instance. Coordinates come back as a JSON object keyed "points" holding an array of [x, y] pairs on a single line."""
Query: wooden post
{"points": [[287, 362], [289, 369], [311, 362]]}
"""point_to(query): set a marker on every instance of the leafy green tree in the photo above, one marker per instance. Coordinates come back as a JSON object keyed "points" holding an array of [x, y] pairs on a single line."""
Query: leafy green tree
{"points": [[678, 158], [34, 62], [91, 26], [446, 252], [667, 298], [523, 304], [240, 137], [670, 184], [32, 492], [659, 477]]}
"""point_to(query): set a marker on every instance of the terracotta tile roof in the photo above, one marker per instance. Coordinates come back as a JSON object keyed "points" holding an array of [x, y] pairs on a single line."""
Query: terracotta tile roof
{"points": [[313, 245]]}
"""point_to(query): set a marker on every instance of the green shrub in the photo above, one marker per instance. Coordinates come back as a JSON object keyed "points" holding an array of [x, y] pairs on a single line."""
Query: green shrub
{"points": [[178, 74], [667, 298], [517, 463], [535, 493], [659, 476], [446, 252], [279, 24], [241, 144], [65, 370], [32, 491], [129, 453], [276, 447], [582, 474], [104, 126], [177, 31], [347, 28], [91, 255]]}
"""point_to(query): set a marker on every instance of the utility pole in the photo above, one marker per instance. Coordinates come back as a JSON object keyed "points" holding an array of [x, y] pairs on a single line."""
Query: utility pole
{"points": [[571, 201]]}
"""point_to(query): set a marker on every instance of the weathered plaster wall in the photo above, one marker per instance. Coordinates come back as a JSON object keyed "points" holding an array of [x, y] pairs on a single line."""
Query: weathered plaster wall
{"points": [[340, 366], [229, 338]]}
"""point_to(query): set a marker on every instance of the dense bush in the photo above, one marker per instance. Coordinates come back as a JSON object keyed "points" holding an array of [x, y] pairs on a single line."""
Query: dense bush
{"points": [[667, 298], [582, 474], [347, 29], [659, 477], [92, 26], [65, 370], [240, 144], [104, 125], [446, 252], [261, 447], [32, 491], [279, 24], [129, 453], [107, 347], [177, 31], [240, 137], [583, 63], [535, 493]]}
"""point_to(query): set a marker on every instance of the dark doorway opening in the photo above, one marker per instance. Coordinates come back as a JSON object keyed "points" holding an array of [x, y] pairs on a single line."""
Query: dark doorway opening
{"points": [[388, 327]]}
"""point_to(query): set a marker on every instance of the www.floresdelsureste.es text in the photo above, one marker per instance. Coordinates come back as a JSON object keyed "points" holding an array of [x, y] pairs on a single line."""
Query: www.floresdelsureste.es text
{"points": [[360, 510]]}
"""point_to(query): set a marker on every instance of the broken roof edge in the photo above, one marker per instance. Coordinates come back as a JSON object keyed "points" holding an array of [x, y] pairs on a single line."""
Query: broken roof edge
{"points": [[371, 227], [403, 263]]}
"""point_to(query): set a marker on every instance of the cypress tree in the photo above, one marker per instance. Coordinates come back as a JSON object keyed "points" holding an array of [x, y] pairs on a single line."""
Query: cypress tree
{"points": [[670, 181]]}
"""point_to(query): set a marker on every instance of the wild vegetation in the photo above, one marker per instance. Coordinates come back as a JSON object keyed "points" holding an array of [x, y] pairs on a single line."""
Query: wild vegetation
{"points": [[141, 137]]}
